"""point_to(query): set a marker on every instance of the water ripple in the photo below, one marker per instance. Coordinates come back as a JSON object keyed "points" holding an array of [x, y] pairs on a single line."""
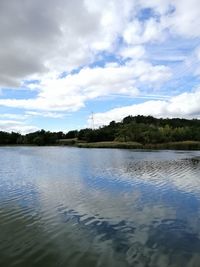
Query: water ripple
{"points": [[80, 207]]}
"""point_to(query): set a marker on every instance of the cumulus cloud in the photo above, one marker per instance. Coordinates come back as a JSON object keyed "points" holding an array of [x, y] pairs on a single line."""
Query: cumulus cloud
{"points": [[138, 32], [71, 93], [133, 52], [16, 126], [20, 122], [44, 39], [12, 116], [175, 18], [38, 37], [184, 20], [183, 105], [180, 17], [54, 115]]}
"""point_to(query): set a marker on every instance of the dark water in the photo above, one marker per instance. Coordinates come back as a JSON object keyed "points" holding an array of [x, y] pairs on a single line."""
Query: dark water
{"points": [[90, 207]]}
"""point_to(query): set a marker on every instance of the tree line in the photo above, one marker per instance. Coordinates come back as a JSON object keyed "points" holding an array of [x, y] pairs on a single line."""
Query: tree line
{"points": [[145, 130], [142, 129]]}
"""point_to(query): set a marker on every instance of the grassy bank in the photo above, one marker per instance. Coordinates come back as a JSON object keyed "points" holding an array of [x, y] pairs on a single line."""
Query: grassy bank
{"points": [[130, 145], [182, 145]]}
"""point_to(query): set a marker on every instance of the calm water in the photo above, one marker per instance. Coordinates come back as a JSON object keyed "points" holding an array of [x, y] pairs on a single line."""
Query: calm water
{"points": [[89, 207]]}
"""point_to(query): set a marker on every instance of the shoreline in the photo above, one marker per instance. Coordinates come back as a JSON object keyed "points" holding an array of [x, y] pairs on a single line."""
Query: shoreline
{"points": [[181, 145]]}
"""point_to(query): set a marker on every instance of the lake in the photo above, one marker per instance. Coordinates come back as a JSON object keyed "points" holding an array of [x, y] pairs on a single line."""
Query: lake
{"points": [[62, 206]]}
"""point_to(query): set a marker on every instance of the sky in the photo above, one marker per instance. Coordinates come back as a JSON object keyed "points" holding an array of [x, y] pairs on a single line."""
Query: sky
{"points": [[65, 62]]}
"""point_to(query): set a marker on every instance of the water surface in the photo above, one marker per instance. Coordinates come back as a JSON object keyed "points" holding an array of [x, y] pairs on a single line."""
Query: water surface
{"points": [[63, 206]]}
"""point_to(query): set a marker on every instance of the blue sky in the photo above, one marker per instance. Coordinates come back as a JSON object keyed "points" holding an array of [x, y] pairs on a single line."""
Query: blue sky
{"points": [[61, 61]]}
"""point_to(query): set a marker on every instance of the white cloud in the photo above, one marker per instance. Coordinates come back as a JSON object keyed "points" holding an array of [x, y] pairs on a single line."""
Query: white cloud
{"points": [[16, 126], [133, 52], [149, 74], [10, 122], [138, 32], [12, 116], [161, 7], [185, 105], [55, 36], [40, 37], [169, 18], [71, 92], [185, 18], [54, 115]]}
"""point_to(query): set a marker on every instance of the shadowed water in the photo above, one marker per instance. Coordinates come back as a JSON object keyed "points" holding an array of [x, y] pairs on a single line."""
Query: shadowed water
{"points": [[99, 207]]}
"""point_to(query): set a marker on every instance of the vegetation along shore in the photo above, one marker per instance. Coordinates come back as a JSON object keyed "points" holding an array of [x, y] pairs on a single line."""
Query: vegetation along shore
{"points": [[139, 132]]}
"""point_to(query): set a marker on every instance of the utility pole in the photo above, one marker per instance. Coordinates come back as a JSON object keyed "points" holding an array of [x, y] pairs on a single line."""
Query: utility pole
{"points": [[92, 120]]}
